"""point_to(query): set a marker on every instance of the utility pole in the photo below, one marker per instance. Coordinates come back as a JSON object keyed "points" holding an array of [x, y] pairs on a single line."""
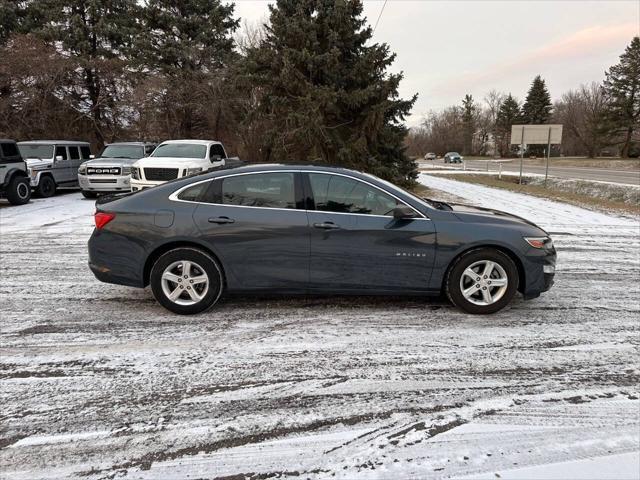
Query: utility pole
{"points": [[521, 154]]}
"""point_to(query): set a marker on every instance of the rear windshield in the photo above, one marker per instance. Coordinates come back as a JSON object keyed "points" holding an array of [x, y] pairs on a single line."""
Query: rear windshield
{"points": [[123, 151], [180, 150], [36, 151]]}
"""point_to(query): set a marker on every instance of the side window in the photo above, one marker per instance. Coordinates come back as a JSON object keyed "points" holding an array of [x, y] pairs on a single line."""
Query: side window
{"points": [[74, 154], [334, 193], [194, 193], [268, 190], [86, 152], [216, 150], [148, 149], [61, 152], [9, 150]]}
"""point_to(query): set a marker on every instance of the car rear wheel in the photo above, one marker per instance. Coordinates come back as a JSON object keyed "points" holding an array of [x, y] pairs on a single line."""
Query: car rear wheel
{"points": [[19, 191], [482, 281], [46, 187], [186, 281]]}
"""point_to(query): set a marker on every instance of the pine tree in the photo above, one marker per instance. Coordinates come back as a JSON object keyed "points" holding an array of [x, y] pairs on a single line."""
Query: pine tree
{"points": [[187, 46], [325, 93], [96, 35], [537, 106], [469, 123], [622, 92], [509, 114]]}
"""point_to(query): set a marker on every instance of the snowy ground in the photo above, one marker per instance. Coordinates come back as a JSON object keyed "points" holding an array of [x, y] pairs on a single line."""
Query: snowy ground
{"points": [[97, 381]]}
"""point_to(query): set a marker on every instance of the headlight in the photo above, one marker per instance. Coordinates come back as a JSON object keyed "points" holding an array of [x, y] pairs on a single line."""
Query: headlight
{"points": [[126, 170], [540, 242], [191, 171], [135, 173], [82, 169]]}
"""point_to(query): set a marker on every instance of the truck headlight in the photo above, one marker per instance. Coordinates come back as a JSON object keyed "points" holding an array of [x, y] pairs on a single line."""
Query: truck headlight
{"points": [[135, 173], [126, 170], [82, 169], [191, 171]]}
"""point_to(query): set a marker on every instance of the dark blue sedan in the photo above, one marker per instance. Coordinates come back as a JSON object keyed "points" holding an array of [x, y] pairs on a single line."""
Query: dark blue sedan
{"points": [[308, 229]]}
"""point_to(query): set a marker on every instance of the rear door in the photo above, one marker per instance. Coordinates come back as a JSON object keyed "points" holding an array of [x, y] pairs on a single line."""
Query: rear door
{"points": [[257, 225], [61, 168], [356, 244], [75, 159]]}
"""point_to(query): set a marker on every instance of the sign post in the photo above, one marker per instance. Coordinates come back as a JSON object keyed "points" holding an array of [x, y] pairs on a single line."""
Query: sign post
{"points": [[536, 135]]}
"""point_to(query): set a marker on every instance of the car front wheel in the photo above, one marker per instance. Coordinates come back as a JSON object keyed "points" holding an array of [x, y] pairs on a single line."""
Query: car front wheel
{"points": [[482, 281], [19, 191], [186, 281], [46, 187]]}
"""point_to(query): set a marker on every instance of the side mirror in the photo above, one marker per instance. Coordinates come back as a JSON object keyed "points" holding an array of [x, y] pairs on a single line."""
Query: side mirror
{"points": [[215, 158], [403, 212], [58, 158], [91, 157]]}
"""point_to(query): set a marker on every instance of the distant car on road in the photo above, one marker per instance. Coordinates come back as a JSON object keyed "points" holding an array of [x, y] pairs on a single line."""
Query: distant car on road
{"points": [[175, 159], [453, 157], [14, 180], [111, 172], [310, 229], [430, 156], [53, 163]]}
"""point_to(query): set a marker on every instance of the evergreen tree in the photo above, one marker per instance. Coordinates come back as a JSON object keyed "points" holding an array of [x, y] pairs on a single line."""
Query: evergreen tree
{"points": [[622, 92], [469, 123], [537, 106], [96, 35], [509, 114], [187, 46], [325, 93]]}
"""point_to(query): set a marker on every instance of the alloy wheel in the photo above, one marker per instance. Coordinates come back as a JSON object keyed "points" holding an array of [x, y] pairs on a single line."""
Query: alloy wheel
{"points": [[484, 282], [185, 282]]}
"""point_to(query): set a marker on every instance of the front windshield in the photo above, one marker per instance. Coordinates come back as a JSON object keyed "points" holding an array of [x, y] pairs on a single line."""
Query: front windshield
{"points": [[36, 151], [123, 151], [454, 154], [180, 150]]}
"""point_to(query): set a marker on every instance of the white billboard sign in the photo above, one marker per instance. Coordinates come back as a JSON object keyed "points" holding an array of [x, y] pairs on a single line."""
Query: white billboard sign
{"points": [[536, 134]]}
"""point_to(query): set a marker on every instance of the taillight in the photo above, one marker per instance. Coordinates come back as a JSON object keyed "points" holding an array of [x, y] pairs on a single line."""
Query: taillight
{"points": [[102, 218]]}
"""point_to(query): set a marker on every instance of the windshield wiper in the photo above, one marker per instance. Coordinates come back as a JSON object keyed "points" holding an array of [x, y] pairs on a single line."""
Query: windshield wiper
{"points": [[438, 205]]}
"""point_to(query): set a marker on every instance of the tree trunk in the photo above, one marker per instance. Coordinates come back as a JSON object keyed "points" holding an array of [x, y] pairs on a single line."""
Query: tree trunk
{"points": [[627, 144]]}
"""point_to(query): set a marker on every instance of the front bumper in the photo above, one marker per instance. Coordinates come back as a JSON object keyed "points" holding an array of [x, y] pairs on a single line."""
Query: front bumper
{"points": [[137, 185], [104, 183], [540, 269]]}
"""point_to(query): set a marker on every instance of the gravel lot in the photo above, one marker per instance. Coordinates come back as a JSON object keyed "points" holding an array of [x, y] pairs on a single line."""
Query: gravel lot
{"points": [[97, 381]]}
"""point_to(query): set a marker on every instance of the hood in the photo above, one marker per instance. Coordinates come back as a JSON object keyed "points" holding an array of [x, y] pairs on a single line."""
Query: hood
{"points": [[469, 213], [111, 162], [169, 162], [38, 163]]}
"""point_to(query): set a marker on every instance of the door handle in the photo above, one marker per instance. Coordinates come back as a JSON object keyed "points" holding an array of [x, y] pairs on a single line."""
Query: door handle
{"points": [[326, 226], [221, 220]]}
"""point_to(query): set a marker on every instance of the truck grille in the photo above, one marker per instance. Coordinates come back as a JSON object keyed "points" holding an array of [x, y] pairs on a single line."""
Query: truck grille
{"points": [[160, 174]]}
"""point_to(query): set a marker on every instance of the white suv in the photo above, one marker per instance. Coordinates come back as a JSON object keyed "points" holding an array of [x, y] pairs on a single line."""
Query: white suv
{"points": [[174, 159]]}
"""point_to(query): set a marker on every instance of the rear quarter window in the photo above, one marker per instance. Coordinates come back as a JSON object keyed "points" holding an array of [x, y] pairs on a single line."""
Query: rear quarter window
{"points": [[194, 193]]}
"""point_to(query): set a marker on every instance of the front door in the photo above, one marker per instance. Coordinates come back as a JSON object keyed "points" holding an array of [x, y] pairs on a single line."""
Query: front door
{"points": [[258, 227], [356, 244]]}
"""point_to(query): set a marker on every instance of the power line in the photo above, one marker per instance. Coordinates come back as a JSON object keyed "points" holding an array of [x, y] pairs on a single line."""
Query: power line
{"points": [[380, 15]]}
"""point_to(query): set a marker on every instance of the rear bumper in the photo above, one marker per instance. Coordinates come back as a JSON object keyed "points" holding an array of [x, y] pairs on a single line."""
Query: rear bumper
{"points": [[116, 259]]}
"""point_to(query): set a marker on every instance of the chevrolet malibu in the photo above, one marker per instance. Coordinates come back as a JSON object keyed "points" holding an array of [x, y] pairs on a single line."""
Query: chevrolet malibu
{"points": [[307, 229]]}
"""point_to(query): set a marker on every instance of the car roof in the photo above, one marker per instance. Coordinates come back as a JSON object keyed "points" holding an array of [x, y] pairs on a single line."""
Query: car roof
{"points": [[131, 143], [6, 140], [198, 142], [262, 167], [49, 142]]}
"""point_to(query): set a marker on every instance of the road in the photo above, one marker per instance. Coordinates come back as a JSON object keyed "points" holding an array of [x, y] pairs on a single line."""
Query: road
{"points": [[631, 177], [99, 382]]}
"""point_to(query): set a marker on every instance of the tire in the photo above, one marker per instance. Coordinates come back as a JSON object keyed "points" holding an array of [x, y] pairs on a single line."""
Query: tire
{"points": [[46, 187], [19, 191], [88, 194], [476, 301], [167, 275]]}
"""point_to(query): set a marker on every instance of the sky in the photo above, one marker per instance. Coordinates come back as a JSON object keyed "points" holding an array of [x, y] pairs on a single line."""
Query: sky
{"points": [[447, 49]]}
